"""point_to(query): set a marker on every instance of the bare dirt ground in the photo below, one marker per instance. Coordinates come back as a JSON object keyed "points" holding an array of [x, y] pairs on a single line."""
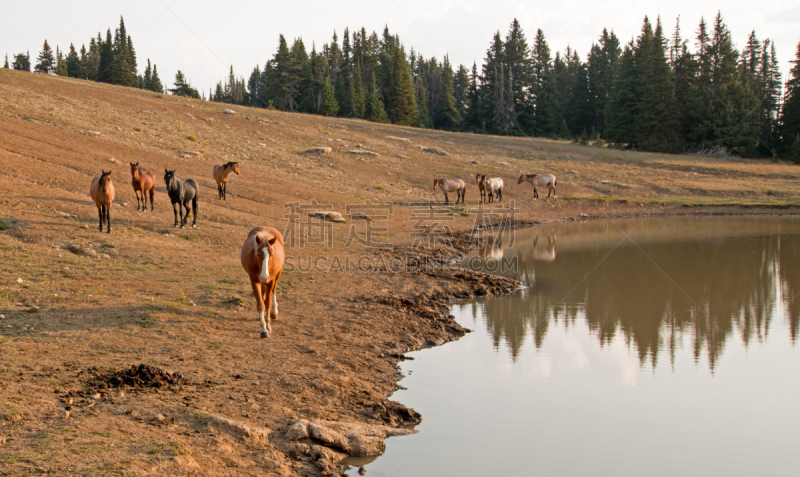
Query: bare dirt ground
{"points": [[82, 310]]}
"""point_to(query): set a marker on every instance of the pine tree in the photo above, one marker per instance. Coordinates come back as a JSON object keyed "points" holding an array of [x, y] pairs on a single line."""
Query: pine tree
{"points": [[253, 85], [447, 114], [400, 103], [461, 84], [500, 109], [46, 62], [123, 66], [790, 118], [5, 65], [105, 74], [357, 100], [473, 117], [182, 87], [517, 59], [61, 63], [329, 104], [794, 150], [375, 110], [155, 81], [622, 108], [74, 66], [768, 91], [22, 62]]}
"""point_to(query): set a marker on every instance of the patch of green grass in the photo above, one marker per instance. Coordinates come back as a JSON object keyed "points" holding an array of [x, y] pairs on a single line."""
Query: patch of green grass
{"points": [[137, 129], [380, 187], [7, 224], [191, 137], [171, 448]]}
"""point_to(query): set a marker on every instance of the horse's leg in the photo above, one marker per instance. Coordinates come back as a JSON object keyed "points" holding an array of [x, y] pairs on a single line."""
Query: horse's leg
{"points": [[144, 200], [554, 191], [535, 193], [262, 313], [194, 211], [181, 206], [219, 190], [463, 192], [273, 302], [225, 191], [108, 217], [175, 211], [446, 200], [100, 214], [500, 194], [152, 195]]}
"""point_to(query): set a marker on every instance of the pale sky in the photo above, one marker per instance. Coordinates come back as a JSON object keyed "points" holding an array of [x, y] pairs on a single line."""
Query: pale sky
{"points": [[203, 38]]}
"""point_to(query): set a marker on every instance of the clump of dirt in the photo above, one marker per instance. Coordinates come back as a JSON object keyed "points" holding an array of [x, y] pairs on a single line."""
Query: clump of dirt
{"points": [[140, 378], [392, 413]]}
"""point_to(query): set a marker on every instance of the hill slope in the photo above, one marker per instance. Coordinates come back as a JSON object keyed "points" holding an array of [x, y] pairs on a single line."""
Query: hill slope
{"points": [[177, 299]]}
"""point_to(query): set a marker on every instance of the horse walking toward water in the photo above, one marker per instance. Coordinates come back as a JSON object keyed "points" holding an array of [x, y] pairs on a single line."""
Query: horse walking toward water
{"points": [[221, 173], [455, 185], [102, 193], [548, 180], [262, 258], [182, 193], [143, 181]]}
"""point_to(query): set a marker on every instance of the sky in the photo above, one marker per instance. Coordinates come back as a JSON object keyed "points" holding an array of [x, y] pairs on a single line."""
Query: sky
{"points": [[204, 38]]}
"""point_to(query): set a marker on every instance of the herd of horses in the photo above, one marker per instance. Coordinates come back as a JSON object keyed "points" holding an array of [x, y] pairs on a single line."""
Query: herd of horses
{"points": [[489, 188], [263, 253]]}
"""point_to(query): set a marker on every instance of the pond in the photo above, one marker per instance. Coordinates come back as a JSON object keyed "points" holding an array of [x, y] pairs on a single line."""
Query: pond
{"points": [[639, 347]]}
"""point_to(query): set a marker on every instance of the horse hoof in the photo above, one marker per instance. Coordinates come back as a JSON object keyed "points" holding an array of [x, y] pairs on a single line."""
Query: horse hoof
{"points": [[264, 334], [194, 226]]}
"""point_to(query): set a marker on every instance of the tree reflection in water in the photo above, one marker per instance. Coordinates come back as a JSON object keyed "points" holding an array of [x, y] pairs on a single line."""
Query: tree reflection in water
{"points": [[710, 277]]}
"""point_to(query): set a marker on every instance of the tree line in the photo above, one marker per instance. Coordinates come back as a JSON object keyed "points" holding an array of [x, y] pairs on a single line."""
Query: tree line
{"points": [[653, 94], [111, 60]]}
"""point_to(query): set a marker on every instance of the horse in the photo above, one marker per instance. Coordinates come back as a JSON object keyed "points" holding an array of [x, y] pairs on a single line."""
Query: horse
{"points": [[262, 258], [102, 193], [181, 193], [221, 173], [481, 187], [494, 186], [545, 253], [536, 180], [142, 181], [455, 185]]}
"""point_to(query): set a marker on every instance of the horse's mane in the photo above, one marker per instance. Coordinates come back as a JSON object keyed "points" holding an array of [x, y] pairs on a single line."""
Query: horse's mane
{"points": [[230, 164]]}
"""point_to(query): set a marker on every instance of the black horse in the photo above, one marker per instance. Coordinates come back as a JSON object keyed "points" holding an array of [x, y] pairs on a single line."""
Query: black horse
{"points": [[181, 193]]}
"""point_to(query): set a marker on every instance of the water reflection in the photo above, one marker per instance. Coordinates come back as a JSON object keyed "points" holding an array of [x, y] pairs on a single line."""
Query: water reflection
{"points": [[653, 281]]}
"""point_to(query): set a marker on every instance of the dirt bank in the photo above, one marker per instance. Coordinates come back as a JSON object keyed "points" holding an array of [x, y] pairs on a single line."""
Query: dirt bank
{"points": [[81, 311]]}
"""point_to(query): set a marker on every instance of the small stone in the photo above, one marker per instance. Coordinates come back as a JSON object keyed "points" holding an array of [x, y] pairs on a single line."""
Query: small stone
{"points": [[19, 280], [228, 111], [33, 309], [2, 317], [66, 414], [191, 303], [160, 418], [121, 395], [96, 397]]}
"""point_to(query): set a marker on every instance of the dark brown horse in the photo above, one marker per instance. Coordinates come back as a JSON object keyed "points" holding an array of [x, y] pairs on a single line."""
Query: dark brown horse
{"points": [[143, 181]]}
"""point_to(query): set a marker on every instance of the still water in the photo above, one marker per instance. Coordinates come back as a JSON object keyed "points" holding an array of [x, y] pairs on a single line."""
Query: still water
{"points": [[639, 347]]}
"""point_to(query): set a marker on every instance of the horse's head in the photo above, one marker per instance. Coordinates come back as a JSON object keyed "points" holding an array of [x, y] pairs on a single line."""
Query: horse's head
{"points": [[478, 178], [169, 176], [264, 245], [134, 168], [521, 179], [438, 183], [235, 167]]}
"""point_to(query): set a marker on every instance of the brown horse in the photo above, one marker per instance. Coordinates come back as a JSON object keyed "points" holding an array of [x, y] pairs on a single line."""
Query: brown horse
{"points": [[142, 181], [481, 186], [102, 193], [262, 259], [221, 173]]}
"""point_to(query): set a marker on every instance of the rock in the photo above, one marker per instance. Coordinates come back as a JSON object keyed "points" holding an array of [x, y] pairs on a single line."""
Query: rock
{"points": [[189, 153], [395, 138], [92, 133], [33, 309], [19, 280], [328, 216], [2, 317], [361, 152], [2, 440], [433, 150], [160, 419], [329, 437], [319, 150], [298, 430], [242, 430], [228, 111], [323, 453], [111, 159], [363, 446]]}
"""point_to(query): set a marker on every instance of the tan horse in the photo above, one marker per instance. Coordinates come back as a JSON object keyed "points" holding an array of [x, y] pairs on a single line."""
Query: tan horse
{"points": [[143, 182], [262, 258], [548, 180], [455, 185], [221, 173], [102, 193]]}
